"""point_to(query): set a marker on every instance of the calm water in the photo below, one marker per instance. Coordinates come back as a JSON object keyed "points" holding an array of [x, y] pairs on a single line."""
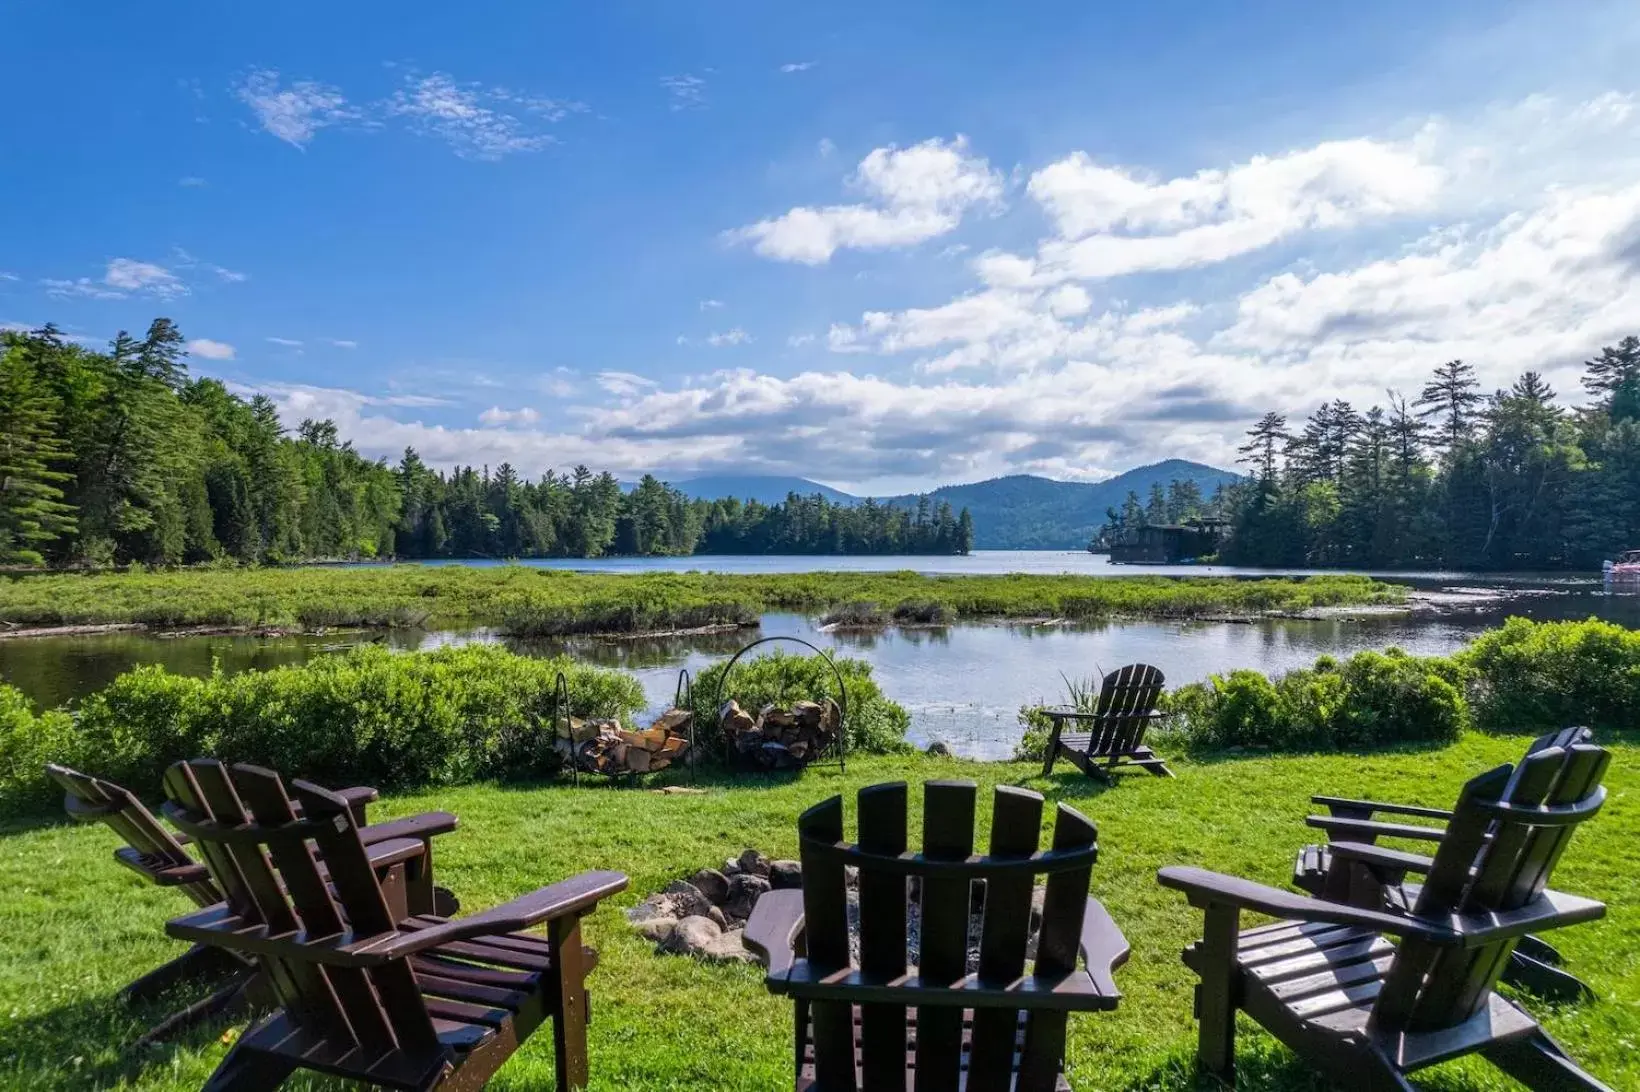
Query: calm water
{"points": [[962, 684]]}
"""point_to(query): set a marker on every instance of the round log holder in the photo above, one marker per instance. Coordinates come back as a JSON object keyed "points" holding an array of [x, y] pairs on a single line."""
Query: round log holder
{"points": [[682, 698], [837, 749]]}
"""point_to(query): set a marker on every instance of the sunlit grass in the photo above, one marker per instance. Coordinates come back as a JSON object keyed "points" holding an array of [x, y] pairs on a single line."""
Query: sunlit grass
{"points": [[74, 927]]}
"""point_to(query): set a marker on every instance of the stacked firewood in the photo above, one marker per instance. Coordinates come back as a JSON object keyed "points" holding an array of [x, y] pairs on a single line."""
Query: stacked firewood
{"points": [[603, 746], [778, 739]]}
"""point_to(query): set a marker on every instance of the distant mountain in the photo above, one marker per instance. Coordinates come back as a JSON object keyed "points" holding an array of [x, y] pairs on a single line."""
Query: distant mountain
{"points": [[764, 488], [1019, 512], [1024, 512]]}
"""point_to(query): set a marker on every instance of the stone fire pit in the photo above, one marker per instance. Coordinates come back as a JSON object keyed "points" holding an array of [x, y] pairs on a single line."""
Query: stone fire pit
{"points": [[705, 915]]}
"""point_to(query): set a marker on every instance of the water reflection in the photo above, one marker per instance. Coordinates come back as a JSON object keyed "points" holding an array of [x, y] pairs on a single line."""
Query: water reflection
{"points": [[962, 684]]}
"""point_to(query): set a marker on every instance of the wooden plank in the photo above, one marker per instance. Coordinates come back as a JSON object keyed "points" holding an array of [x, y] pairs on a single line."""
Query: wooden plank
{"points": [[825, 932], [882, 829], [1016, 822], [948, 834], [1063, 904]]}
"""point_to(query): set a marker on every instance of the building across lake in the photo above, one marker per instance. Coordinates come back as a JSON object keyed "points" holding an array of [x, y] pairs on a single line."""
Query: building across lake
{"points": [[1168, 543]]}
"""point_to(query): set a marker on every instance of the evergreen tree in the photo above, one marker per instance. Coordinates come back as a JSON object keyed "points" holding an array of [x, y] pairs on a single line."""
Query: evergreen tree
{"points": [[32, 512]]}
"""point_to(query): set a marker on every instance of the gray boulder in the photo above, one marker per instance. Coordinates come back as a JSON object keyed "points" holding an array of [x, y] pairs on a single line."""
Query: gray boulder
{"points": [[692, 935], [657, 929], [754, 863], [744, 891], [686, 900], [711, 883], [784, 875]]}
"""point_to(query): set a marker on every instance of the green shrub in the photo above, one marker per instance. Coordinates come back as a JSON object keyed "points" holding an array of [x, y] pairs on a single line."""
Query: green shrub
{"points": [[1539, 677], [27, 742], [874, 722], [1374, 699], [366, 716]]}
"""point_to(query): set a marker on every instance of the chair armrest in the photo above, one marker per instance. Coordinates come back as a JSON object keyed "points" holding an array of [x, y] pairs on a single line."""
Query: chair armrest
{"points": [[573, 896], [358, 798], [422, 826], [392, 851], [156, 871], [1382, 856], [772, 930], [1207, 889], [1345, 808], [1364, 830], [1104, 948]]}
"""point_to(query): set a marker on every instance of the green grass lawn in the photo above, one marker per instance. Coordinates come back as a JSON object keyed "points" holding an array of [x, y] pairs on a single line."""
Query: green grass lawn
{"points": [[74, 927]]}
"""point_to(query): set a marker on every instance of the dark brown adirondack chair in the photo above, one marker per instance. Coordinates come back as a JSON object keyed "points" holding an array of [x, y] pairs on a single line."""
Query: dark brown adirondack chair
{"points": [[885, 1023], [1116, 726], [1327, 980], [1374, 876], [421, 1002], [401, 852]]}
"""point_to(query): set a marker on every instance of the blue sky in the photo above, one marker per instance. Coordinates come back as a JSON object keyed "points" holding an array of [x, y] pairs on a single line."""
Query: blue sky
{"points": [[883, 245]]}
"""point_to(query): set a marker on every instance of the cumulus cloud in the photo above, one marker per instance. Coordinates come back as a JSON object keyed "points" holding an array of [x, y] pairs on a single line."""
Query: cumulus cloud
{"points": [[341, 343], [210, 350], [736, 336], [912, 195], [496, 417], [294, 112], [285, 342], [1479, 250], [122, 277], [797, 66], [710, 305]]}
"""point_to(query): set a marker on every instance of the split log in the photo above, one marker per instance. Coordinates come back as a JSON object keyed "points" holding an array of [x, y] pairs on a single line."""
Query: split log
{"points": [[778, 738]]}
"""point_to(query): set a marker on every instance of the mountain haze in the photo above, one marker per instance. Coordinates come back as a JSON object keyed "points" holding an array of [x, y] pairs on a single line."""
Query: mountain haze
{"points": [[1018, 512]]}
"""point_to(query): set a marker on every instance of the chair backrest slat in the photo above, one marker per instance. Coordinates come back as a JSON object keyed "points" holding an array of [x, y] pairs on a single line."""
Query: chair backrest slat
{"points": [[1489, 862], [825, 938], [1016, 824], [882, 820], [128, 817], [1125, 696], [1064, 905], [948, 835]]}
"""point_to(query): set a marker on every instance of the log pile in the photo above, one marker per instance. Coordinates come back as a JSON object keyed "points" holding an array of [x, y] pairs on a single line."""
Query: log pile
{"points": [[603, 746], [778, 739]]}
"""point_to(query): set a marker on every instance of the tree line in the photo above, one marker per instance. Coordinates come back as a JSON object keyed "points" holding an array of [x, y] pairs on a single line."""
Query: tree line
{"points": [[1180, 500], [1455, 477], [121, 456]]}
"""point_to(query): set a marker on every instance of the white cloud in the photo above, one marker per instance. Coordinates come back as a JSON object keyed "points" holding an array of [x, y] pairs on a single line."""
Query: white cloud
{"points": [[913, 194], [736, 336], [710, 305], [294, 113], [495, 416], [798, 66], [341, 343], [457, 114], [285, 342], [210, 350], [686, 92], [191, 181], [798, 341], [4, 276], [827, 147], [131, 275], [624, 384]]}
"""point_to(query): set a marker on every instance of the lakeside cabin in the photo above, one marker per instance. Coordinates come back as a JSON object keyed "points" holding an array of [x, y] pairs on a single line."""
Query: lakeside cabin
{"points": [[1169, 543]]}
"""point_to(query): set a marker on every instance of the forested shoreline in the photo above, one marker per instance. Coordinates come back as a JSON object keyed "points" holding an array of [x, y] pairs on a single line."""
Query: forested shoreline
{"points": [[1454, 478], [120, 457]]}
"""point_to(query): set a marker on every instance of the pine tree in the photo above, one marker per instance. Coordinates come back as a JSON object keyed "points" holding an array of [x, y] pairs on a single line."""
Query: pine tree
{"points": [[1264, 441], [1452, 395], [32, 512], [1613, 368]]}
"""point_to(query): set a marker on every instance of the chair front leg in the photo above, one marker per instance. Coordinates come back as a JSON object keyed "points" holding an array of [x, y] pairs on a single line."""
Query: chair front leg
{"points": [[1219, 992], [1053, 746], [569, 1024]]}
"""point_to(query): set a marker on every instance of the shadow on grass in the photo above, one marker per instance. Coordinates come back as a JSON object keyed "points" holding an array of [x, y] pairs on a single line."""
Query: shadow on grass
{"points": [[92, 1043], [1264, 754], [1270, 1070]]}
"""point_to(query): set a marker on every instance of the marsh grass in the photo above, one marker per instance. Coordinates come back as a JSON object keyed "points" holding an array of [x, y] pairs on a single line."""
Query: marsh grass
{"points": [[533, 601]]}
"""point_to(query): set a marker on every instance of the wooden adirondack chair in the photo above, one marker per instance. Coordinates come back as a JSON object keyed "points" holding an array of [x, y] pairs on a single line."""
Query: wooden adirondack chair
{"points": [[885, 1023], [401, 851], [1377, 880], [422, 1002], [1116, 727], [1328, 982]]}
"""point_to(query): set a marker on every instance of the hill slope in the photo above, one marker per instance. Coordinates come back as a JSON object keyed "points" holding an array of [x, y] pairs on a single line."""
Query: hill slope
{"points": [[1024, 512], [1019, 512]]}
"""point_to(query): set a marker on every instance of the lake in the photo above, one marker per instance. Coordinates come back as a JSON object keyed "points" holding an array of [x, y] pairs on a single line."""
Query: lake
{"points": [[963, 684]]}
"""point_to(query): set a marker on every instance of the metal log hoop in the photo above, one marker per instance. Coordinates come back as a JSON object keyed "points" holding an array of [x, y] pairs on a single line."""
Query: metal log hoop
{"points": [[683, 697], [842, 690]]}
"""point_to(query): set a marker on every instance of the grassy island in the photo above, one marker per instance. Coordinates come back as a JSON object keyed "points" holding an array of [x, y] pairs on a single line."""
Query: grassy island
{"points": [[534, 601]]}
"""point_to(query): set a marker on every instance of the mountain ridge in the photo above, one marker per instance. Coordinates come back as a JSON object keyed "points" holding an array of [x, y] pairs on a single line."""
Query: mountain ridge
{"points": [[1014, 511]]}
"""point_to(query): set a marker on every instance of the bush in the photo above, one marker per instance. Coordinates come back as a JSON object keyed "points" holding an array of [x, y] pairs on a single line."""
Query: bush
{"points": [[367, 716], [874, 722], [1540, 677], [27, 742], [1374, 699]]}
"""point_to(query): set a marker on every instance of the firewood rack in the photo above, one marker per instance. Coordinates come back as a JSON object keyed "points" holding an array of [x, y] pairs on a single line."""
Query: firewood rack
{"points": [[838, 749]]}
